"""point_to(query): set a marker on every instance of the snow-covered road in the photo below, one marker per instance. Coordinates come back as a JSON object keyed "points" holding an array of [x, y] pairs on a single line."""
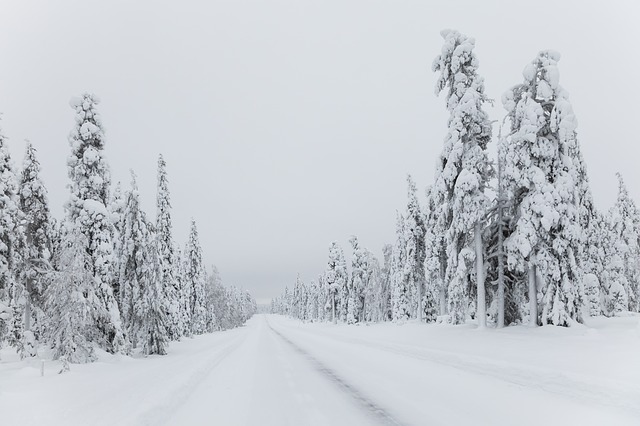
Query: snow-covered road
{"points": [[277, 371]]}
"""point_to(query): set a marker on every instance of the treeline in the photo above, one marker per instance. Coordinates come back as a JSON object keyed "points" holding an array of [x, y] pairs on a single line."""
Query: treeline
{"points": [[515, 239], [105, 276]]}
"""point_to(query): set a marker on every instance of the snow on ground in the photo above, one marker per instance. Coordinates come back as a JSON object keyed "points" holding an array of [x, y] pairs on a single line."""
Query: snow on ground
{"points": [[278, 371]]}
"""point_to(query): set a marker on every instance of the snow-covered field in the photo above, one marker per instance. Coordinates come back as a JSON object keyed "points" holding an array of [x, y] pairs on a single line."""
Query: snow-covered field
{"points": [[278, 371]]}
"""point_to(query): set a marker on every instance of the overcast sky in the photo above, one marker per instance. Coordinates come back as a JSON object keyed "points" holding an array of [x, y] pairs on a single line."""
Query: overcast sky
{"points": [[289, 124]]}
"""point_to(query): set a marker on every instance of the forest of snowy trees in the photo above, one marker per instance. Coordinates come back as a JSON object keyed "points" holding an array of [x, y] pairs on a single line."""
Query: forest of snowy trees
{"points": [[514, 239], [106, 275]]}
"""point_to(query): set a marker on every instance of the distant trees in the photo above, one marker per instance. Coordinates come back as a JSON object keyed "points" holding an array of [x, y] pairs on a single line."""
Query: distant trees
{"points": [[525, 245], [105, 276]]}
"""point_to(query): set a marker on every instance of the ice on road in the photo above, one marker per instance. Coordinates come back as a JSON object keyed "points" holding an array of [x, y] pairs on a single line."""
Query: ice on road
{"points": [[278, 371]]}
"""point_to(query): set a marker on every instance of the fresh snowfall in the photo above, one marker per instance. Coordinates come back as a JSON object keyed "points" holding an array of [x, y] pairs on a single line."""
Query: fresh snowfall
{"points": [[506, 298]]}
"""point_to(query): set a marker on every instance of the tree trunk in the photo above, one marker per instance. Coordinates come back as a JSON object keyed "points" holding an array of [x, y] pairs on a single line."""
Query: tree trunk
{"points": [[443, 289], [500, 319], [533, 295], [481, 310], [500, 323], [27, 305], [420, 300], [333, 307]]}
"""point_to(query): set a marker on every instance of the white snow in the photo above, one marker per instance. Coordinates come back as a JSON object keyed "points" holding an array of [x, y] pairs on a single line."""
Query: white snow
{"points": [[279, 371]]}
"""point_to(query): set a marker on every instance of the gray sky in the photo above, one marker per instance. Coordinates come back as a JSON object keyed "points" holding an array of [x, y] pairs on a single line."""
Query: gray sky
{"points": [[289, 124]]}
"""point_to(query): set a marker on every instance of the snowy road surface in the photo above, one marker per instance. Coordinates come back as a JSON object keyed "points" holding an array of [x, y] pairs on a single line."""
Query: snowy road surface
{"points": [[277, 371]]}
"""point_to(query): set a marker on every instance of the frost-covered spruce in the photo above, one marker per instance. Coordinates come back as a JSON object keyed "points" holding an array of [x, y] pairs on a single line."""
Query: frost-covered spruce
{"points": [[184, 295], [12, 297], [373, 287], [116, 210], [212, 282], [383, 294], [357, 283], [195, 280], [164, 231], [323, 299], [463, 171], [625, 224], [153, 335], [87, 213], [540, 175], [415, 231], [33, 203], [400, 296], [312, 302], [435, 259], [435, 254], [69, 300], [134, 263], [595, 264], [299, 303], [336, 279]]}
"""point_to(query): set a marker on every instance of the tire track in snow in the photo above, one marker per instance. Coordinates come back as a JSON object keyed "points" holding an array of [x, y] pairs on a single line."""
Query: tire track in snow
{"points": [[564, 384], [161, 414], [383, 416]]}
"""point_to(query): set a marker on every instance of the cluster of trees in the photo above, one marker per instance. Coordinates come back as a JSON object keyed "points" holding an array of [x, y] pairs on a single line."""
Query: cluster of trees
{"points": [[106, 275], [506, 240]]}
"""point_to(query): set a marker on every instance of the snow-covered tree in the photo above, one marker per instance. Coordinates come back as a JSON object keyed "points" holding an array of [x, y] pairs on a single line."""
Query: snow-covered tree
{"points": [[356, 287], [135, 238], [164, 230], [312, 301], [463, 171], [336, 278], [88, 214], [195, 281], [116, 208], [383, 301], [36, 253], [69, 299], [213, 283], [400, 291], [415, 230], [12, 285], [540, 175], [435, 255], [153, 335], [625, 224]]}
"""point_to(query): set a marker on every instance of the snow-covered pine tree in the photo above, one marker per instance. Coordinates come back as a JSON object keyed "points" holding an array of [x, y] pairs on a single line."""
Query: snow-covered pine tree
{"points": [[336, 278], [36, 253], [153, 335], [625, 222], [164, 231], [312, 301], [383, 296], [213, 282], [194, 279], [12, 291], [540, 175], [69, 300], [595, 264], [134, 241], [463, 171], [323, 298], [357, 283], [373, 288], [116, 207], [435, 254], [415, 230], [184, 296], [88, 214], [400, 303]]}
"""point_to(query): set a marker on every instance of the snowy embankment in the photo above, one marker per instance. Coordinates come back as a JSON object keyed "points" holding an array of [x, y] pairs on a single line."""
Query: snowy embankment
{"points": [[279, 371]]}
